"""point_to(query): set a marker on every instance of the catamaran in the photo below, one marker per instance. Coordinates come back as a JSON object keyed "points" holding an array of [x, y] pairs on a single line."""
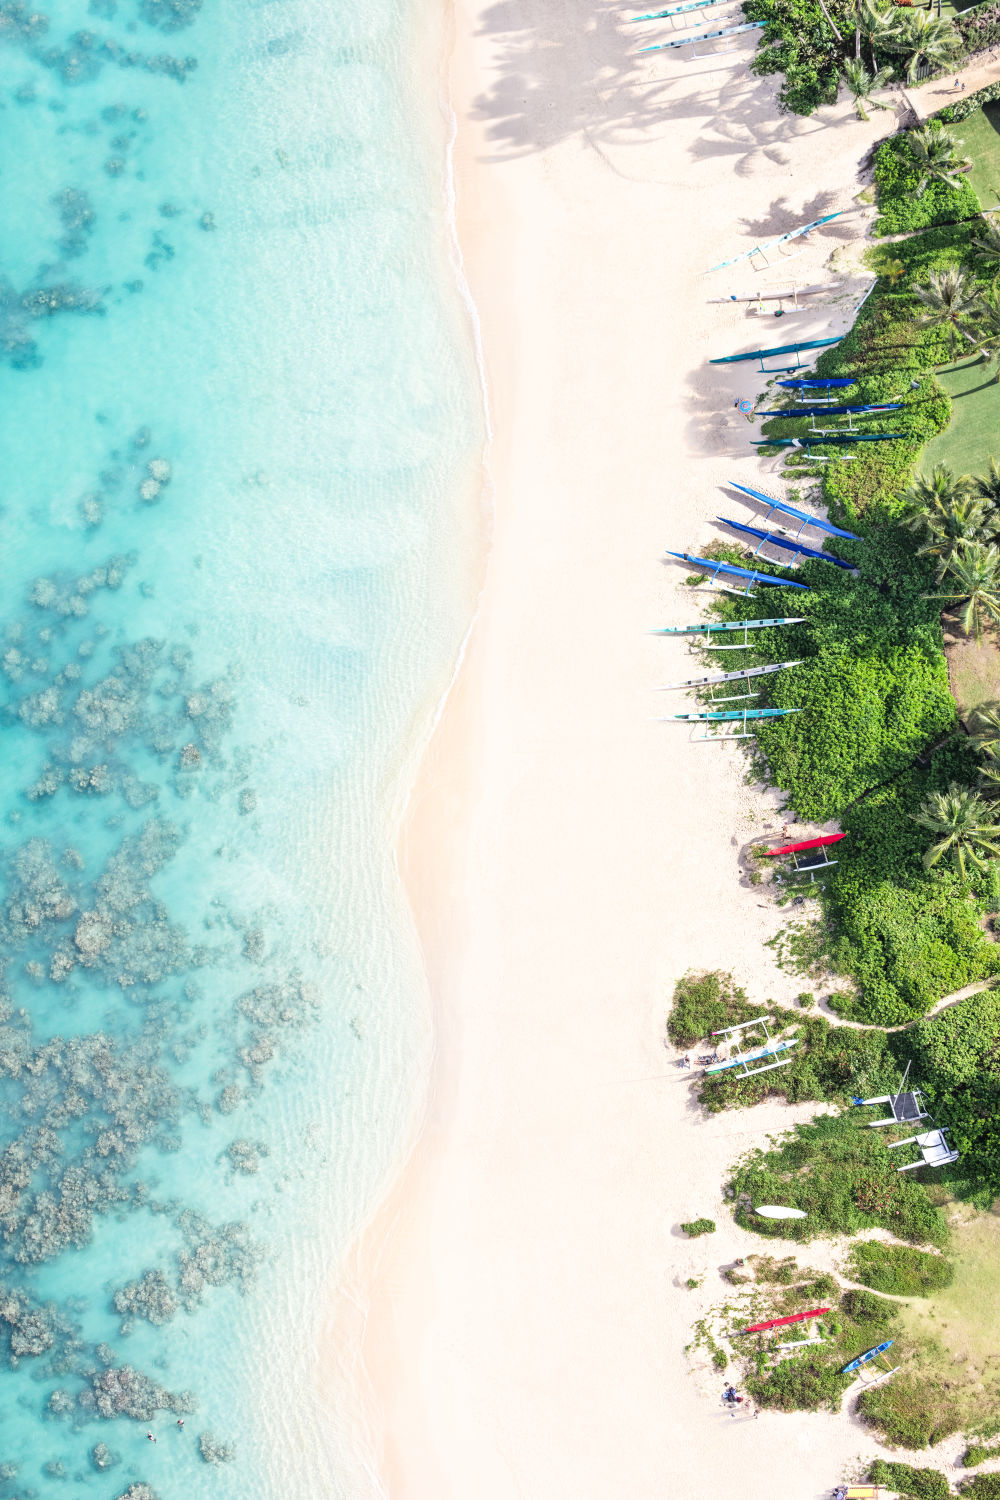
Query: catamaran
{"points": [[768, 538], [731, 570], [772, 1045], [789, 510]]}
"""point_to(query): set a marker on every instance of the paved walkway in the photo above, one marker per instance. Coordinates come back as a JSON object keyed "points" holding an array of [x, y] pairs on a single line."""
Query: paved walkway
{"points": [[981, 69]]}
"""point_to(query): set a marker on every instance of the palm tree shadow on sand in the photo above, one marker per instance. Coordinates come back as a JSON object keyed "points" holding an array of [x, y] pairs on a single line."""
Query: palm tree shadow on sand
{"points": [[561, 72]]}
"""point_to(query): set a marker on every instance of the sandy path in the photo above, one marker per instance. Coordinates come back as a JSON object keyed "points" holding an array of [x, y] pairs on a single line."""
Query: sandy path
{"points": [[567, 857]]}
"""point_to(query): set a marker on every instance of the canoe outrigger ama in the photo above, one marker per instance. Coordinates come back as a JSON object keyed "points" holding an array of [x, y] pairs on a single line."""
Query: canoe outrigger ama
{"points": [[727, 716], [769, 1048], [731, 570], [802, 847], [721, 677], [784, 544], [708, 629], [871, 1354], [803, 517]]}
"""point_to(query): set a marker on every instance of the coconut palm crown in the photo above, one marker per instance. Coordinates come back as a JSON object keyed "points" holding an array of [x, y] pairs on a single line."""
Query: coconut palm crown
{"points": [[923, 38], [962, 823], [950, 301], [974, 576]]}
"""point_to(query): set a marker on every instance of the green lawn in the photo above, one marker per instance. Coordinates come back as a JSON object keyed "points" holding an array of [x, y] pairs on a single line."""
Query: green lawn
{"points": [[972, 436], [980, 135]]}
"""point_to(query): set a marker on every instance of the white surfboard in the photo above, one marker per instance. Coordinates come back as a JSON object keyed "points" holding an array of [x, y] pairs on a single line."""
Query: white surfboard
{"points": [[770, 1211]]}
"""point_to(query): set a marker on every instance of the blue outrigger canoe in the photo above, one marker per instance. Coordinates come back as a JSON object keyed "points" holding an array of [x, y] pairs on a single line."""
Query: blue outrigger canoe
{"points": [[863, 1359]]}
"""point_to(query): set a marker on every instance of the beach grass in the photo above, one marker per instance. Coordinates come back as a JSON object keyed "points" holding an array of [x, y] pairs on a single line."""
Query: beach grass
{"points": [[979, 134], [972, 437]]}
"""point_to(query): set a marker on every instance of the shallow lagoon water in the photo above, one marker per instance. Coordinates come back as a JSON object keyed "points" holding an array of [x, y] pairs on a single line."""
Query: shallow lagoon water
{"points": [[239, 408]]}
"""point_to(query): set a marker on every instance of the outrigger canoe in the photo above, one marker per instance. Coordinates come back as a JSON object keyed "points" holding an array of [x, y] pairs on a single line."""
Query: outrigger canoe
{"points": [[718, 627], [869, 1354], [821, 843], [778, 666], [792, 291], [814, 1312], [735, 713]]}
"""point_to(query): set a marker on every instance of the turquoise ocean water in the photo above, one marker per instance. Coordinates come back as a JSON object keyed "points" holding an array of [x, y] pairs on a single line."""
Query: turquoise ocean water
{"points": [[239, 421]]}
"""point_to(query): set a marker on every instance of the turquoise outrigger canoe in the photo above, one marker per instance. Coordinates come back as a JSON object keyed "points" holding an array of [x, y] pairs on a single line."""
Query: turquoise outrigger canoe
{"points": [[719, 626], [735, 713]]}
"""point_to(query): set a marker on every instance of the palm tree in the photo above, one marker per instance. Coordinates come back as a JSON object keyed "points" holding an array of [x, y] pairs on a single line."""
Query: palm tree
{"points": [[961, 820], [922, 37], [863, 84], [986, 242], [988, 485], [875, 26], [951, 528], [950, 301], [985, 726], [987, 318], [935, 153], [927, 494], [989, 770], [975, 574]]}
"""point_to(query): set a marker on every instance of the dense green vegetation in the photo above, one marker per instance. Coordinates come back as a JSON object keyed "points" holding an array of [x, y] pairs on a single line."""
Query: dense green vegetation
{"points": [[955, 1055], [899, 1270], [811, 1378], [841, 1176], [981, 1487], [811, 45], [922, 1484], [697, 1227], [879, 738], [900, 172]]}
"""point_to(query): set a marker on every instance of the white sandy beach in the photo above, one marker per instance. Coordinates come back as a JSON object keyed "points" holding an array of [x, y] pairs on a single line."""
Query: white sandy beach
{"points": [[567, 857]]}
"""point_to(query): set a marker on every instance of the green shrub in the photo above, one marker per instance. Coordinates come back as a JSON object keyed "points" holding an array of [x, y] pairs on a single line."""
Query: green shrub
{"points": [[981, 1487], [961, 110], [720, 1359], [704, 1003], [899, 1269], [797, 42], [841, 1176], [956, 1055], [904, 1411], [977, 1454], [924, 1484], [697, 1227], [803, 1384], [897, 178]]}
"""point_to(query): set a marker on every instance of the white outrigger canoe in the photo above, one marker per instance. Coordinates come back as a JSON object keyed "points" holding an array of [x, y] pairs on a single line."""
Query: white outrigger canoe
{"points": [[784, 294], [713, 677]]}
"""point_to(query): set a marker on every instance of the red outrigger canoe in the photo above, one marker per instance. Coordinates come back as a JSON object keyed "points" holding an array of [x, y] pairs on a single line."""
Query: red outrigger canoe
{"points": [[830, 838], [814, 1312]]}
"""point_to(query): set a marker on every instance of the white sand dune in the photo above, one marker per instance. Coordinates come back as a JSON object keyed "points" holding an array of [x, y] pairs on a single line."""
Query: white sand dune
{"points": [[567, 857]]}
